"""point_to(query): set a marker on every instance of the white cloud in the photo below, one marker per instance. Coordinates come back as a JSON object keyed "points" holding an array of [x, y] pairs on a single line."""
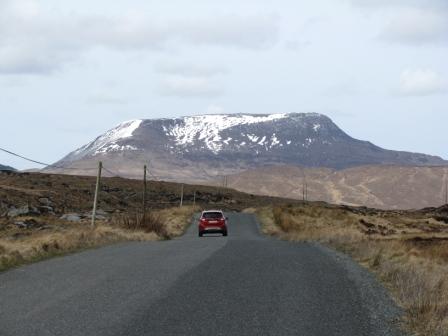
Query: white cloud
{"points": [[106, 98], [190, 87], [411, 21], [36, 41], [350, 87], [417, 26], [400, 3], [421, 82], [185, 69]]}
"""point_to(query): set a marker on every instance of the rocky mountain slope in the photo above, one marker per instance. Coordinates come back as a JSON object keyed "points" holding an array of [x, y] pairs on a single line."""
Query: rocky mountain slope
{"points": [[384, 187], [199, 148], [8, 168]]}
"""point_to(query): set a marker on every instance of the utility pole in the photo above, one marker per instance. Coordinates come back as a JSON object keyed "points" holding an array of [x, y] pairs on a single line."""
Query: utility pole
{"points": [[194, 198], [306, 191], [446, 191], [182, 195], [97, 191], [144, 194]]}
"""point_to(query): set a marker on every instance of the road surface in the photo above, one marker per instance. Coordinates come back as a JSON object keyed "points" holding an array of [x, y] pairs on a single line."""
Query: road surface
{"points": [[244, 284]]}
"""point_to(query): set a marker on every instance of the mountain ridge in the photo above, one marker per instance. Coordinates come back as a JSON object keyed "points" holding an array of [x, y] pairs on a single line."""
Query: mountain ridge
{"points": [[228, 143], [6, 168]]}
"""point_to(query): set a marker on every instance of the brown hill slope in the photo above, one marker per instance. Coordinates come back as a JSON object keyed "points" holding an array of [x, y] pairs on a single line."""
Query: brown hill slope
{"points": [[68, 193], [385, 187]]}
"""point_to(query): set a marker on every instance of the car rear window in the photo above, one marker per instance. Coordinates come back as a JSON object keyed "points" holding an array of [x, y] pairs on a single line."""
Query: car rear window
{"points": [[212, 215]]}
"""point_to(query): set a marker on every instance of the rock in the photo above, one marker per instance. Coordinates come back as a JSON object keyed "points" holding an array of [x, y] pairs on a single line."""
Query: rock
{"points": [[28, 224], [101, 212], [45, 201], [73, 217], [20, 224], [24, 210], [46, 209]]}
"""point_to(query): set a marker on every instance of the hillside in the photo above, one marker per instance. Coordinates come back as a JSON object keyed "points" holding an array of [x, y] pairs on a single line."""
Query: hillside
{"points": [[385, 187], [8, 168], [75, 194], [199, 148]]}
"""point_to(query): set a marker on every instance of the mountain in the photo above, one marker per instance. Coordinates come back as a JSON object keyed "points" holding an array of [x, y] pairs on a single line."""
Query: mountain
{"points": [[199, 148], [378, 186], [7, 168]]}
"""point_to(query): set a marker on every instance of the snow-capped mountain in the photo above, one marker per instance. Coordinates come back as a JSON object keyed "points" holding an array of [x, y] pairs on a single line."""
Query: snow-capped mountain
{"points": [[200, 147]]}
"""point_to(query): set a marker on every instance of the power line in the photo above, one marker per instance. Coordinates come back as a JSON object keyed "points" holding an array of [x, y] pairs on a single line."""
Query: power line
{"points": [[23, 157], [47, 165]]}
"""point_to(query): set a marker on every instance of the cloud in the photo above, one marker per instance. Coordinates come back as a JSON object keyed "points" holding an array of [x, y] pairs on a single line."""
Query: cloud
{"points": [[32, 59], [421, 82], [412, 22], [350, 87], [190, 87], [103, 98], [195, 70], [417, 26], [36, 41], [297, 45], [380, 4], [190, 80]]}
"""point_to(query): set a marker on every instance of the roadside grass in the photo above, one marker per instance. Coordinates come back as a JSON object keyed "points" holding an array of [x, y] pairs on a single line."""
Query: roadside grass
{"points": [[408, 250], [20, 246]]}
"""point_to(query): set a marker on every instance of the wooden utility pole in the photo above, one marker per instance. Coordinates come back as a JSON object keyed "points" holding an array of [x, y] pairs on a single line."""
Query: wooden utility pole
{"points": [[303, 190], [144, 194], [182, 195], [306, 191], [97, 191], [446, 191]]}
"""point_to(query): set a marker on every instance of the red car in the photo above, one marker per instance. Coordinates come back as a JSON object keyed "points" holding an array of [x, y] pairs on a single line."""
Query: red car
{"points": [[212, 221]]}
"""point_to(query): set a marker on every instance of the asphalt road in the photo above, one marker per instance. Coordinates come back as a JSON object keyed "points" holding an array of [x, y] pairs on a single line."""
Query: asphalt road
{"points": [[244, 284]]}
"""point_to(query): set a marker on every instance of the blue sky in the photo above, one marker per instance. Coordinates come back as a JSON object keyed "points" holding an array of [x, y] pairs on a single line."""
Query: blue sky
{"points": [[70, 71]]}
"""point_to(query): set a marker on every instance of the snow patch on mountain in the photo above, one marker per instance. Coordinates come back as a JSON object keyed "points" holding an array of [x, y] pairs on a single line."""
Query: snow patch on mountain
{"points": [[274, 140], [208, 128], [108, 141]]}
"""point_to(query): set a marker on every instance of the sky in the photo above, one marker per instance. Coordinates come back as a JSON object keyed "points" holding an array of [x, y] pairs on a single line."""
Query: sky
{"points": [[71, 70]]}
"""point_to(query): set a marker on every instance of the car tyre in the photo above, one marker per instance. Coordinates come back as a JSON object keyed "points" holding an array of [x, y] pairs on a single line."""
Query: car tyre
{"points": [[200, 234], [224, 233]]}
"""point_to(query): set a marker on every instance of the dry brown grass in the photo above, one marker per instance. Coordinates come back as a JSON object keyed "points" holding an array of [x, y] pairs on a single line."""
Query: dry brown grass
{"points": [[407, 250], [38, 246], [19, 246]]}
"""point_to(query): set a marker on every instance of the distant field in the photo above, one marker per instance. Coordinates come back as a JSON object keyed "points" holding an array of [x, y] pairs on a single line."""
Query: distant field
{"points": [[408, 250]]}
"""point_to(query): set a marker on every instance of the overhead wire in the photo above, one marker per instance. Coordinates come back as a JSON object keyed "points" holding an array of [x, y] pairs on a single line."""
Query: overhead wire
{"points": [[54, 166], [47, 165]]}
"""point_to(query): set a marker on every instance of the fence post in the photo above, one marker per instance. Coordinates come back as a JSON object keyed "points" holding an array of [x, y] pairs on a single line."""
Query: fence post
{"points": [[182, 195], [97, 191], [446, 191], [144, 194]]}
